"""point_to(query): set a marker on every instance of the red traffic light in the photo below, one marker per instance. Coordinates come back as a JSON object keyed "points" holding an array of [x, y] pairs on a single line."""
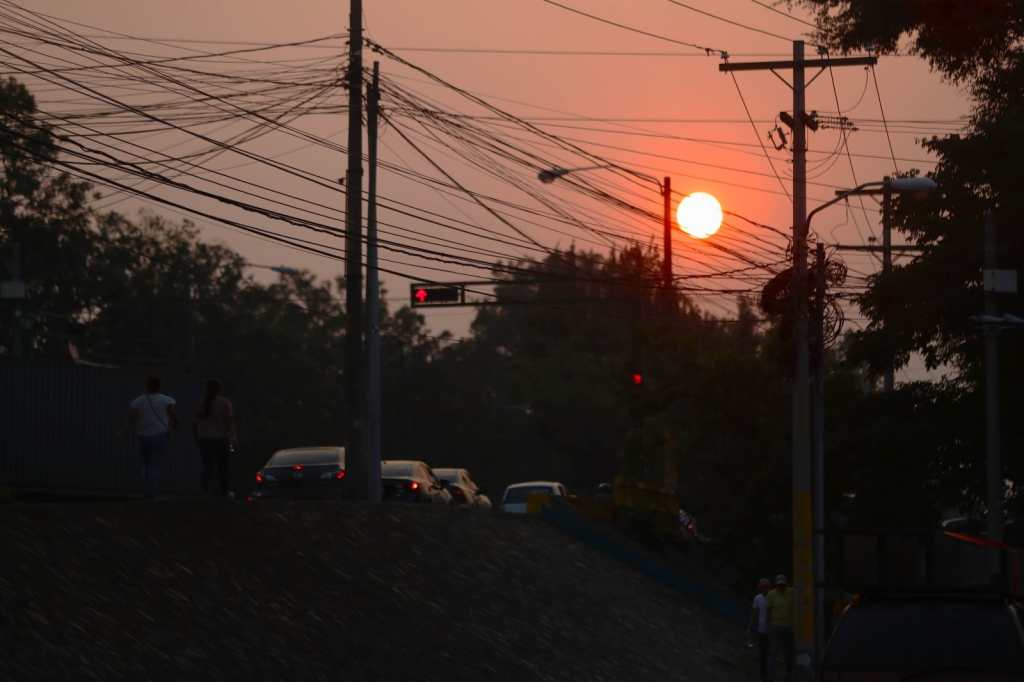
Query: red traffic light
{"points": [[637, 378], [423, 294]]}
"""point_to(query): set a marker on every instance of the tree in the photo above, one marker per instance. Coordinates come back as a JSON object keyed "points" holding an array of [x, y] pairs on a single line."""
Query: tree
{"points": [[925, 306], [46, 214]]}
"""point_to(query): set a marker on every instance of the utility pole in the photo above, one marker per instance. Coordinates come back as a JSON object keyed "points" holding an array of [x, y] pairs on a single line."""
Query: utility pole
{"points": [[803, 521], [373, 382], [819, 450], [889, 382], [355, 398], [993, 456], [16, 293], [666, 269]]}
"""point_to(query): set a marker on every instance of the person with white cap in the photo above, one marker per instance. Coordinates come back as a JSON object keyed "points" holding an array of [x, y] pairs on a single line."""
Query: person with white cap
{"points": [[759, 625], [780, 625]]}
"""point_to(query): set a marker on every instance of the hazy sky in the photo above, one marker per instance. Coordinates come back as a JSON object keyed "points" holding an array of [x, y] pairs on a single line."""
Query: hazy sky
{"points": [[684, 88]]}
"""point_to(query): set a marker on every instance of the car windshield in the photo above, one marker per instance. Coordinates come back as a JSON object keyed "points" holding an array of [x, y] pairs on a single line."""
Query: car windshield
{"points": [[398, 470], [449, 476], [519, 495], [306, 457], [926, 635]]}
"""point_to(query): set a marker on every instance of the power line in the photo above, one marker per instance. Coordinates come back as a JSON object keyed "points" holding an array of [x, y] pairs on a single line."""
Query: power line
{"points": [[881, 108], [785, 14], [707, 50], [730, 21], [785, 190]]}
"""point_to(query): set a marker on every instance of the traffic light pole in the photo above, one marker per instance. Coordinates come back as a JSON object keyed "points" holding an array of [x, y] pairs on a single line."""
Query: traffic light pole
{"points": [[373, 379], [354, 396], [803, 521]]}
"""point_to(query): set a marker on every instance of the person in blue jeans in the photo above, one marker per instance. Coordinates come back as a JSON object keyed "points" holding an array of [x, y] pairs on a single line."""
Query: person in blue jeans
{"points": [[153, 417]]}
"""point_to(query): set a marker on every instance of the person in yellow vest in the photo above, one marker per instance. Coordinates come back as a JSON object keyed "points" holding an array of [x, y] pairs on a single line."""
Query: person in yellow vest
{"points": [[780, 625]]}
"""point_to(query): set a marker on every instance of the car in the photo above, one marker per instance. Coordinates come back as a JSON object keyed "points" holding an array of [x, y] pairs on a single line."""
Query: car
{"points": [[516, 495], [950, 636], [411, 481], [464, 491], [307, 472]]}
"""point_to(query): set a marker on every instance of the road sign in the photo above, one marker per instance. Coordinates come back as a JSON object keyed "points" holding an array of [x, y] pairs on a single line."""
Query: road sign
{"points": [[425, 295]]}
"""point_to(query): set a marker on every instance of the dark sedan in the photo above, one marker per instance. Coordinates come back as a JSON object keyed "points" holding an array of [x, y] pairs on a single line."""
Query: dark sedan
{"points": [[313, 473], [411, 481]]}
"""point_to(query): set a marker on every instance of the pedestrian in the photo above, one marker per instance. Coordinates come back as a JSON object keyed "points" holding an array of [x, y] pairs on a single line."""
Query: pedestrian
{"points": [[759, 626], [780, 625], [152, 416], [214, 432]]}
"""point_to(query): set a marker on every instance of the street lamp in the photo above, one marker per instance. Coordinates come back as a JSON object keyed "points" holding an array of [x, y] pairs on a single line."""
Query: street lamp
{"points": [[279, 269], [887, 187], [549, 175], [915, 186]]}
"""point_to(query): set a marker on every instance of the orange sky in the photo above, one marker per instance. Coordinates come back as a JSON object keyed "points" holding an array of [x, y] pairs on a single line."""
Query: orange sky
{"points": [[689, 88]]}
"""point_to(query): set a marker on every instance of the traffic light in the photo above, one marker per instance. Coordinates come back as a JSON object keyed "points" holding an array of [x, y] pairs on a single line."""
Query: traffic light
{"points": [[423, 295], [636, 377]]}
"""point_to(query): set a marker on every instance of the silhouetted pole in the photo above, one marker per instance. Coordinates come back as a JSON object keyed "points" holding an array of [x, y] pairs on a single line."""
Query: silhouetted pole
{"points": [[803, 523], [889, 381], [993, 456], [355, 398], [819, 451], [666, 269], [373, 379]]}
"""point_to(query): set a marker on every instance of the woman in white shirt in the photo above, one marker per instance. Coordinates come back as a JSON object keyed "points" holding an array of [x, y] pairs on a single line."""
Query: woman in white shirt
{"points": [[152, 416]]}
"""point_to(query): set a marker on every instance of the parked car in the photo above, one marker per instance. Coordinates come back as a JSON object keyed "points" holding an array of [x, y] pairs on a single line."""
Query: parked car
{"points": [[463, 489], [411, 481], [311, 472], [516, 495], [961, 637]]}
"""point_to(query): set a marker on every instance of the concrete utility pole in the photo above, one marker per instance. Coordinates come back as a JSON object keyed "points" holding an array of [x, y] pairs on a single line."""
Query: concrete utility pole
{"points": [[666, 192], [803, 522], [373, 383], [994, 464], [355, 398], [889, 381]]}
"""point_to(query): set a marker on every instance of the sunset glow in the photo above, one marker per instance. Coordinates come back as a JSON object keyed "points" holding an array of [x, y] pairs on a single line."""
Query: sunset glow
{"points": [[699, 215]]}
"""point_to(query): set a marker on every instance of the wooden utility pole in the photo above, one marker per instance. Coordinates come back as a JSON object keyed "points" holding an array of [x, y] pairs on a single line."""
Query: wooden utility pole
{"points": [[666, 269], [803, 517], [354, 396], [889, 381], [373, 379]]}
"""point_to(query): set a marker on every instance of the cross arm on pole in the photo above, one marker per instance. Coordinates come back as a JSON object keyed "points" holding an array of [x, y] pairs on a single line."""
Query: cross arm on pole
{"points": [[788, 64]]}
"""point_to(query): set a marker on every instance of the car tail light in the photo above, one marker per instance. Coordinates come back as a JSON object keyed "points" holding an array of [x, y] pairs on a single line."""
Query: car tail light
{"points": [[336, 475], [259, 477], [297, 467], [412, 485]]}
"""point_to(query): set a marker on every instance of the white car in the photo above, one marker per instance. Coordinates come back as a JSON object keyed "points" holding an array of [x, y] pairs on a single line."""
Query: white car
{"points": [[514, 499]]}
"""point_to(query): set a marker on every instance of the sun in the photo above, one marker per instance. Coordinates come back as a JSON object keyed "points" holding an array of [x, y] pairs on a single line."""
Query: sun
{"points": [[699, 214]]}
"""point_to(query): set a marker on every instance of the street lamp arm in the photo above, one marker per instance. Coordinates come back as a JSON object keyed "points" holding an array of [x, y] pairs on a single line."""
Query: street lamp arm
{"points": [[549, 175], [839, 197]]}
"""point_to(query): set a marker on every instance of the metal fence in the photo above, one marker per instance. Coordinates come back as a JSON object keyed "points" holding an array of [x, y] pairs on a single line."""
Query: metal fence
{"points": [[65, 428]]}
